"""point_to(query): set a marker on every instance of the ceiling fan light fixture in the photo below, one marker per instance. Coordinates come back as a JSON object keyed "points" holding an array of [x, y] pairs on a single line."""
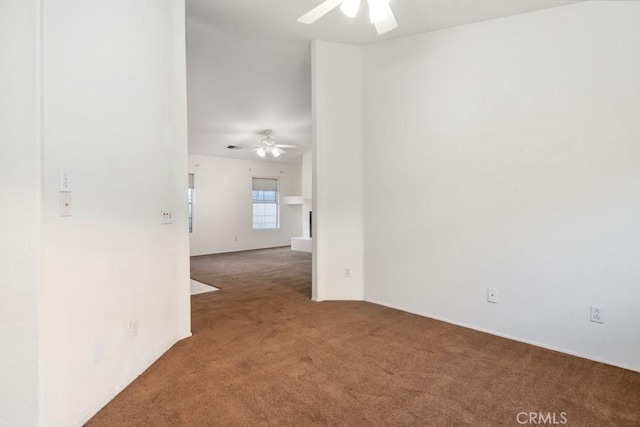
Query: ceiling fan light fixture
{"points": [[380, 13], [377, 10], [350, 8], [269, 147]]}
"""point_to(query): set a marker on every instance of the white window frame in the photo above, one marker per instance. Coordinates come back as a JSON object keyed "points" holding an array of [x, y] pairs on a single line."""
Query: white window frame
{"points": [[257, 183]]}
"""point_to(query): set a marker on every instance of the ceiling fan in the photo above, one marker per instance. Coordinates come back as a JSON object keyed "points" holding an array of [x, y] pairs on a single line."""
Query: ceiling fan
{"points": [[380, 13], [269, 146]]}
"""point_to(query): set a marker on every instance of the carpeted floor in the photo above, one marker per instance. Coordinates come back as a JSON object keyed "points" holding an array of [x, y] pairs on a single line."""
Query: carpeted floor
{"points": [[262, 353]]}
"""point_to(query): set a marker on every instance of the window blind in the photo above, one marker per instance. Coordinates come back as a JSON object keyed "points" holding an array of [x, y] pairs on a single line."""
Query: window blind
{"points": [[265, 184]]}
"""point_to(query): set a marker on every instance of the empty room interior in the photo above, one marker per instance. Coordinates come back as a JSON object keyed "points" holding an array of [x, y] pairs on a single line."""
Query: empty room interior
{"points": [[309, 212]]}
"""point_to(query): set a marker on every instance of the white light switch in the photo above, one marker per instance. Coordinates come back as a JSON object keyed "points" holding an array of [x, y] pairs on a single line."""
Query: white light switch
{"points": [[65, 180], [65, 204]]}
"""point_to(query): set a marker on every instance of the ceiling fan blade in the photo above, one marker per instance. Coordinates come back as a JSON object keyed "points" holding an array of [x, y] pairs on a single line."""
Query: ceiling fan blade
{"points": [[243, 147], [387, 23], [286, 146], [319, 11]]}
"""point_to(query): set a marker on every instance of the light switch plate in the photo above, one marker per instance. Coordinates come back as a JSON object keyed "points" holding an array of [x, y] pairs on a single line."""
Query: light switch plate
{"points": [[65, 181]]}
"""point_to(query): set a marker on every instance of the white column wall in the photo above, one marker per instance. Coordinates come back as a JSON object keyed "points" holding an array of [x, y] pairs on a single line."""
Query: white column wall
{"points": [[337, 172], [307, 191], [505, 155], [20, 212], [114, 108]]}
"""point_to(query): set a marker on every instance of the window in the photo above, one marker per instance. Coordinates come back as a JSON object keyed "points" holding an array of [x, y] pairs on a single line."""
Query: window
{"points": [[265, 203], [191, 196]]}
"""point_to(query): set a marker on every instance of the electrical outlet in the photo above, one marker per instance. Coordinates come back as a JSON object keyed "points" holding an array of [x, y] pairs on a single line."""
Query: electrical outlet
{"points": [[347, 272], [133, 329], [492, 295], [596, 314]]}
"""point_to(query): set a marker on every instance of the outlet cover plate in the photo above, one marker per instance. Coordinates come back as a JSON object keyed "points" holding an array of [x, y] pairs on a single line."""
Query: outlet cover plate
{"points": [[166, 217], [596, 314]]}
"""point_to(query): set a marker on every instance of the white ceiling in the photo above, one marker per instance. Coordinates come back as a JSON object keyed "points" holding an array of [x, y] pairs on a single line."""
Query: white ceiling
{"points": [[249, 63]]}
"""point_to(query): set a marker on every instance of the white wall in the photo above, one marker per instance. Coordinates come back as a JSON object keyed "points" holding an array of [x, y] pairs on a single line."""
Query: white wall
{"points": [[307, 191], [337, 171], [114, 108], [20, 211], [505, 154], [223, 208]]}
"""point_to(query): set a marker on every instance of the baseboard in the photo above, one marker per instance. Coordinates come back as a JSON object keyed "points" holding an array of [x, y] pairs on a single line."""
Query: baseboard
{"points": [[233, 251]]}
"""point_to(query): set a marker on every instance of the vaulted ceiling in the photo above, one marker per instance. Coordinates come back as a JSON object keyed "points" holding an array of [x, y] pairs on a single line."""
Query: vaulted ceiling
{"points": [[249, 62]]}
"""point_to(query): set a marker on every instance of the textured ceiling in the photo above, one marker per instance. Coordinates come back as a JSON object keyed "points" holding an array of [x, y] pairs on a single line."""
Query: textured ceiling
{"points": [[249, 64]]}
